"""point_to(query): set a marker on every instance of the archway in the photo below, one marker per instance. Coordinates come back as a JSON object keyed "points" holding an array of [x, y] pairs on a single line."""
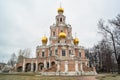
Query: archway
{"points": [[28, 67], [40, 66], [48, 65], [19, 69], [52, 63]]}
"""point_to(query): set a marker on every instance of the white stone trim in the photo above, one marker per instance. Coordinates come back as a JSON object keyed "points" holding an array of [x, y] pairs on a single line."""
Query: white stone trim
{"points": [[23, 65], [66, 66], [76, 66]]}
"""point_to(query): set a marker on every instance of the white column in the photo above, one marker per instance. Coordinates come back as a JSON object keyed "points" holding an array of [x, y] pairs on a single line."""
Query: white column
{"points": [[15, 67], [66, 66], [45, 64], [49, 63], [32, 66], [23, 65], [86, 63], [36, 66], [58, 66], [81, 66], [76, 66]]}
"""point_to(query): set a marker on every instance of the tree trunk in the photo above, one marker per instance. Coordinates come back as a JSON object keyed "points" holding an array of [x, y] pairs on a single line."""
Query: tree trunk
{"points": [[118, 64]]}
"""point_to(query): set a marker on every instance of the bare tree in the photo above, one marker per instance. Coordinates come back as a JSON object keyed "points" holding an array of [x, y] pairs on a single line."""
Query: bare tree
{"points": [[12, 60], [116, 24], [112, 33], [102, 56], [26, 53]]}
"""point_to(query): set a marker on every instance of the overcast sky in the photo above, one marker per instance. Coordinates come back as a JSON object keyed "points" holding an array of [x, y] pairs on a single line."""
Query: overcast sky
{"points": [[24, 22]]}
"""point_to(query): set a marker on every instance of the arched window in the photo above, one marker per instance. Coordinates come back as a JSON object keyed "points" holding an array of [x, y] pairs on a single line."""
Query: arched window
{"points": [[79, 54], [47, 65], [57, 19], [65, 41], [69, 52], [43, 54], [58, 41], [60, 19], [63, 53], [56, 51], [50, 53], [53, 33], [68, 33], [61, 30]]}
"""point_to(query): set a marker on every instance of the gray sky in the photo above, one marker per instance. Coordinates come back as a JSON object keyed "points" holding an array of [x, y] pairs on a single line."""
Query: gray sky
{"points": [[24, 22]]}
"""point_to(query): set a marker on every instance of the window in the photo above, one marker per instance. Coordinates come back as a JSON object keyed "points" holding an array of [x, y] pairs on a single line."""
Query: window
{"points": [[79, 54], [68, 33], [47, 65], [69, 52], [65, 41], [83, 64], [53, 33], [63, 53], [60, 19], [57, 19], [43, 54], [56, 52], [50, 53]]}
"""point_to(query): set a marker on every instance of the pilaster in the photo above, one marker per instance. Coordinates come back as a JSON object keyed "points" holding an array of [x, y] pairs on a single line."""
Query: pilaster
{"points": [[66, 66], [76, 66], [23, 65], [32, 66], [45, 64], [36, 66]]}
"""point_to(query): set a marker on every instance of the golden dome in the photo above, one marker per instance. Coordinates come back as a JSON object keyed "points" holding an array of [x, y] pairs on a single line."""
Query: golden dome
{"points": [[62, 35], [76, 41], [60, 10], [44, 39]]}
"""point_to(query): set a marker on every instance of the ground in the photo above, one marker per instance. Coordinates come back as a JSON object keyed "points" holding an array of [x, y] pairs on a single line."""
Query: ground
{"points": [[108, 77], [24, 76]]}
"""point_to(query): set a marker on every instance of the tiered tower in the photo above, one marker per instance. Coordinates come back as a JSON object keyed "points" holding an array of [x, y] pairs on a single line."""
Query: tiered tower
{"points": [[62, 56]]}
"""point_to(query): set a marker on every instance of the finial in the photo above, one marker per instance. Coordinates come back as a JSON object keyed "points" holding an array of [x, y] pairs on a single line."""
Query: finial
{"points": [[60, 4], [60, 9], [75, 34]]}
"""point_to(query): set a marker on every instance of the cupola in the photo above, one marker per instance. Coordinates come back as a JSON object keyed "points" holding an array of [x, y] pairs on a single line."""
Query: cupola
{"points": [[44, 40], [60, 10], [76, 41], [62, 35]]}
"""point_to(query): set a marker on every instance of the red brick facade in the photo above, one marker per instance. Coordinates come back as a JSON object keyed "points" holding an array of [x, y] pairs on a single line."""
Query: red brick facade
{"points": [[60, 55]]}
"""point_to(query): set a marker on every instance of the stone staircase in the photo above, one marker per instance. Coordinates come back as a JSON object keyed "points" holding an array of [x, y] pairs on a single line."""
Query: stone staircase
{"points": [[85, 68], [51, 69]]}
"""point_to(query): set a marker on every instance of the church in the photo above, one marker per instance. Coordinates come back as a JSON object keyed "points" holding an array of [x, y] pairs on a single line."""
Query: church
{"points": [[62, 56]]}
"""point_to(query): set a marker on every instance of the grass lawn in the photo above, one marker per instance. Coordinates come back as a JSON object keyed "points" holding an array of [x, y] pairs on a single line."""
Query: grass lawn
{"points": [[33, 77], [109, 77]]}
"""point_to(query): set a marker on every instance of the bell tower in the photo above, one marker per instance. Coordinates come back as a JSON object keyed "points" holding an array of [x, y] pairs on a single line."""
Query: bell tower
{"points": [[60, 32], [60, 18]]}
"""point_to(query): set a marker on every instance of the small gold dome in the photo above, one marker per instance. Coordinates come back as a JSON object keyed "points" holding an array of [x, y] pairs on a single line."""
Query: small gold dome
{"points": [[60, 10], [62, 35], [76, 41], [44, 39]]}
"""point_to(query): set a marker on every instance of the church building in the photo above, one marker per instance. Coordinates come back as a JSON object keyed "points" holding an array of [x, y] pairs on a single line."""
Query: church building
{"points": [[62, 56]]}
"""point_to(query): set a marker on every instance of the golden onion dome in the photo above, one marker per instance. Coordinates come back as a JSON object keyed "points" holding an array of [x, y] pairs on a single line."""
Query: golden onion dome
{"points": [[76, 41], [44, 39], [62, 35], [60, 10]]}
